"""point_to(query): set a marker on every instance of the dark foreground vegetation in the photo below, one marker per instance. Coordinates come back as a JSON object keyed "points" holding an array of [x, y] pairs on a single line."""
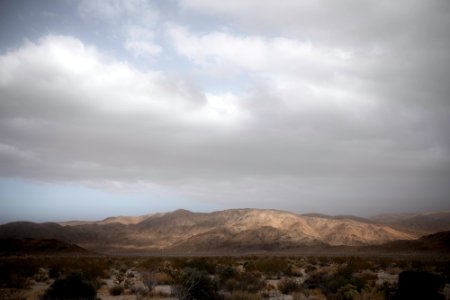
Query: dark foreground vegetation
{"points": [[249, 277]]}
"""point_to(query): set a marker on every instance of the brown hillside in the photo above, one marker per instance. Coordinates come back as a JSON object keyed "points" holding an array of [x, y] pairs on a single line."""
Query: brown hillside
{"points": [[183, 230]]}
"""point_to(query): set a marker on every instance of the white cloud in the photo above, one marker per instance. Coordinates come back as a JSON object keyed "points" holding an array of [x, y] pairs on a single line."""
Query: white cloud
{"points": [[139, 11], [134, 22], [140, 41], [77, 111], [302, 75], [64, 65], [143, 48], [256, 53]]}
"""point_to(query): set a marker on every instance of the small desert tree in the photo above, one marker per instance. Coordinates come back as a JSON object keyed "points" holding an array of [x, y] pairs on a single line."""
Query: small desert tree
{"points": [[74, 286], [195, 284], [149, 279]]}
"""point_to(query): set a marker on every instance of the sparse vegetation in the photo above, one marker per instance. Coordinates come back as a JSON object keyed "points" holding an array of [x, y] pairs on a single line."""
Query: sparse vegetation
{"points": [[195, 284], [74, 286], [289, 285], [235, 278]]}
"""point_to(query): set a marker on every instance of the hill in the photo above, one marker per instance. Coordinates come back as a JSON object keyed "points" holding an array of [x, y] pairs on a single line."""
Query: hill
{"points": [[418, 224], [437, 242], [39, 247], [235, 229]]}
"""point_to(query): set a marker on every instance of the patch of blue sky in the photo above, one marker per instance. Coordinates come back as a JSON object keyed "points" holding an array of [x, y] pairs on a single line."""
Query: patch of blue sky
{"points": [[42, 201]]}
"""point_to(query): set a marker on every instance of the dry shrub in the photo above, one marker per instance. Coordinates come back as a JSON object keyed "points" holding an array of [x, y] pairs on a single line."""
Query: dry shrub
{"points": [[243, 296], [116, 290], [163, 278], [289, 285]]}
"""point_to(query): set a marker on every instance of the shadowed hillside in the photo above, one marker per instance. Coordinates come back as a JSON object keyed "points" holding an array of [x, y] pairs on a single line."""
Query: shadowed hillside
{"points": [[420, 224], [437, 242], [39, 247]]}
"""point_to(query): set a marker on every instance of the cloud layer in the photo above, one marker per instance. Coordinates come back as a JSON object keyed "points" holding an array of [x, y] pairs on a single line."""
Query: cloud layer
{"points": [[310, 107]]}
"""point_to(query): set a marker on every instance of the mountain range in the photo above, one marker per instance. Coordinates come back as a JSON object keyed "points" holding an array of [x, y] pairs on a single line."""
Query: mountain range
{"points": [[230, 231]]}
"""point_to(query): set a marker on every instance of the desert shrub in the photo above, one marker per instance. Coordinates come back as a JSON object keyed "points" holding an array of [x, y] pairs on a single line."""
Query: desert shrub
{"points": [[120, 276], [366, 279], [373, 292], [74, 286], [41, 275], [250, 282], [382, 263], [195, 284], [15, 273], [54, 272], [272, 266], [92, 268], [116, 290], [163, 278], [14, 281], [300, 296], [385, 291], [419, 285], [354, 265], [444, 269], [138, 291], [227, 273], [150, 280], [289, 285], [247, 281], [294, 271], [329, 283], [316, 280], [310, 268], [346, 292], [418, 264], [323, 261], [96, 268], [150, 263], [243, 296], [201, 264], [12, 294]]}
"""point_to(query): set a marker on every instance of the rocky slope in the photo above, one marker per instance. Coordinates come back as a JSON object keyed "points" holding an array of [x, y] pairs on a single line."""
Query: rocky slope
{"points": [[436, 242], [417, 224], [182, 230]]}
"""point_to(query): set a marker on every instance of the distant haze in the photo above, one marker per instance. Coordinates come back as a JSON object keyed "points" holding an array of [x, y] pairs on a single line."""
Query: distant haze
{"points": [[129, 107]]}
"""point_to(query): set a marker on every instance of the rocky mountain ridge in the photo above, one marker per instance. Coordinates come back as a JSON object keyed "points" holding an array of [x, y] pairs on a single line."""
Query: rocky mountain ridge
{"points": [[182, 230]]}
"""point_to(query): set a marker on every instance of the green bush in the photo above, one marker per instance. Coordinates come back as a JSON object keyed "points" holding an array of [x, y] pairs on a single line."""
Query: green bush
{"points": [[346, 292], [74, 286]]}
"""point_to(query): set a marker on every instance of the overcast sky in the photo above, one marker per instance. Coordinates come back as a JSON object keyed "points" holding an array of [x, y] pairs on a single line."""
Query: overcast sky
{"points": [[122, 107]]}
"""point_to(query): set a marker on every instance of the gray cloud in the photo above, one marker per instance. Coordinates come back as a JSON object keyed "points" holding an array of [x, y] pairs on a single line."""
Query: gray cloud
{"points": [[344, 108]]}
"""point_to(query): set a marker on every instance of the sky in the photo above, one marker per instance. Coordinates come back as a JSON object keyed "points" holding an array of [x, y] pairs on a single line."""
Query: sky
{"points": [[128, 107]]}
